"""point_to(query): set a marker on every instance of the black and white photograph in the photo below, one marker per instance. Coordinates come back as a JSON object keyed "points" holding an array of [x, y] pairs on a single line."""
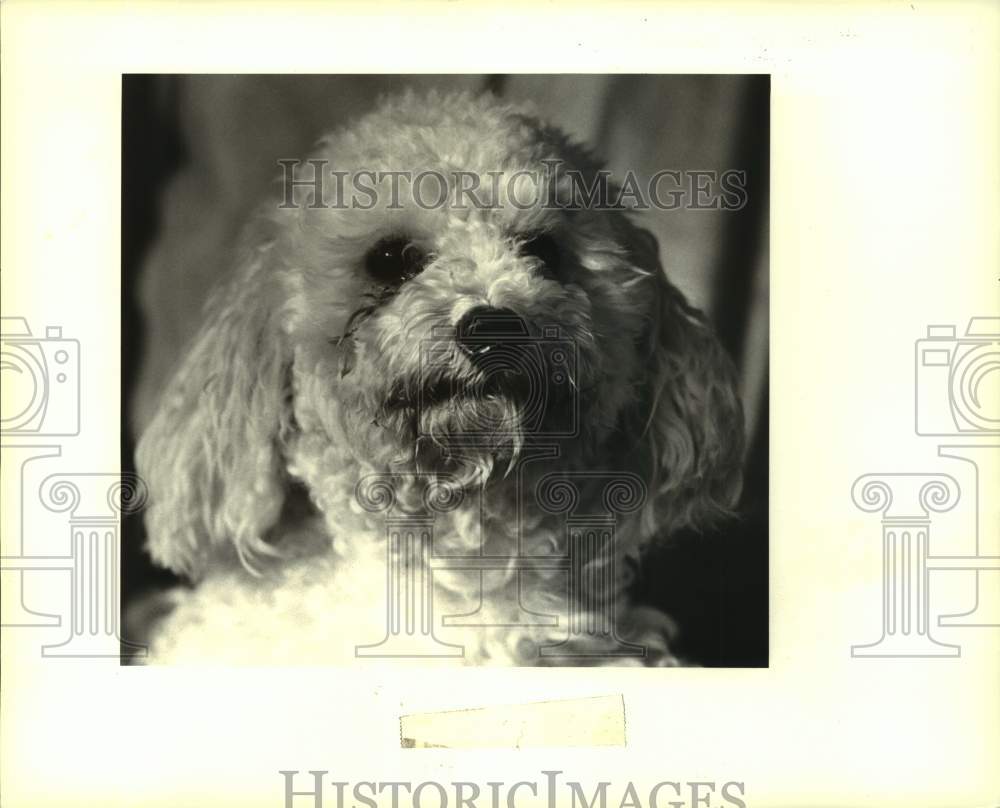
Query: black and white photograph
{"points": [[453, 404], [452, 368]]}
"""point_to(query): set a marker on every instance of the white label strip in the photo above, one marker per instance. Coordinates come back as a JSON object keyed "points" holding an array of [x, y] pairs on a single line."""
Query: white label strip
{"points": [[598, 721]]}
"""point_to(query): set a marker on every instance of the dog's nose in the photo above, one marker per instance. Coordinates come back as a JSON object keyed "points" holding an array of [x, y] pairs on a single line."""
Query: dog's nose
{"points": [[484, 328]]}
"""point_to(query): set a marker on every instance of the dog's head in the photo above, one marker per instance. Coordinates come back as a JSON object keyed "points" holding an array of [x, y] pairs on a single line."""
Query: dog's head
{"points": [[434, 304]]}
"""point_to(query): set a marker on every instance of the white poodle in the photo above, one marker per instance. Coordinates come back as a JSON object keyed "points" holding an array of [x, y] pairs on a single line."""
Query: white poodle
{"points": [[515, 378]]}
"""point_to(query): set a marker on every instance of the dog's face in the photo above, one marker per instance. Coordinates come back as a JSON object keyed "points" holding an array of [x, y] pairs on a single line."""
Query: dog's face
{"points": [[416, 327], [429, 324]]}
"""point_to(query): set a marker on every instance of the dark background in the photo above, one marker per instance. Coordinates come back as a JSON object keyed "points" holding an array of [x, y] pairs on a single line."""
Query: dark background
{"points": [[199, 151]]}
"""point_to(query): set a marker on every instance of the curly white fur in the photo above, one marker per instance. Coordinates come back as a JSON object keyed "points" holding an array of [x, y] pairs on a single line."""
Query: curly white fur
{"points": [[272, 397]]}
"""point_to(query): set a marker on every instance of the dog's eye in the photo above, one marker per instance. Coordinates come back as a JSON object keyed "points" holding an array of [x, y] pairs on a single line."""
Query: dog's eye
{"points": [[543, 247], [394, 260]]}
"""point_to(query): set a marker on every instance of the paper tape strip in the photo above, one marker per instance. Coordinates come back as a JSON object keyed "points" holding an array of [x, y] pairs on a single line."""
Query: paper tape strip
{"points": [[597, 721]]}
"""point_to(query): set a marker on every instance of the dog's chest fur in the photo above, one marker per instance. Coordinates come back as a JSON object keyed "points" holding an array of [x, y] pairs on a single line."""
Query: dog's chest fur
{"points": [[495, 558]]}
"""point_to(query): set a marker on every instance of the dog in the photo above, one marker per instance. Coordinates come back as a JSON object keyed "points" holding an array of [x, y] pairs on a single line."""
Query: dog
{"points": [[395, 401]]}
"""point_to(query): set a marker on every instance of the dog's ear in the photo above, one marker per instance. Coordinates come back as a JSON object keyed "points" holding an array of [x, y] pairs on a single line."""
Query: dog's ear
{"points": [[692, 428], [210, 455]]}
